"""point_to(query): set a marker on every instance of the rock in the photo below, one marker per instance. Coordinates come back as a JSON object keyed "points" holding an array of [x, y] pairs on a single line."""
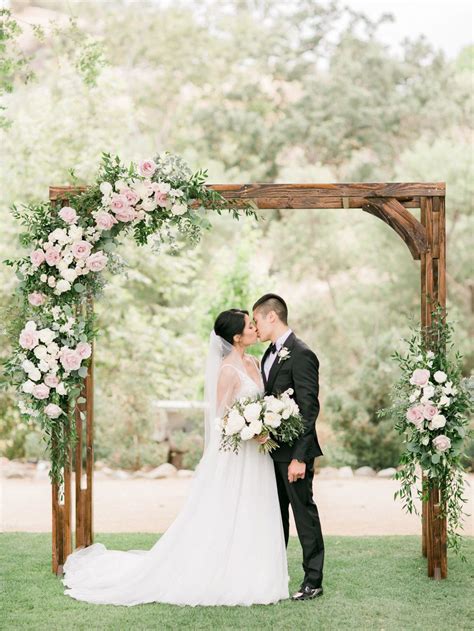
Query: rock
{"points": [[185, 473], [120, 475], [345, 472], [165, 470], [328, 472], [365, 472], [43, 465], [107, 470], [99, 465], [386, 473]]}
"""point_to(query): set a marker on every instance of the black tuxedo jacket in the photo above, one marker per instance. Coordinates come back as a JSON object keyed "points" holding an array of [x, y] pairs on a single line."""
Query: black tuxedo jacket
{"points": [[300, 371]]}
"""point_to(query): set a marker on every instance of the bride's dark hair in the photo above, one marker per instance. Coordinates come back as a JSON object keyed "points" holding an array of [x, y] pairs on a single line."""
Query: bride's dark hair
{"points": [[230, 323]]}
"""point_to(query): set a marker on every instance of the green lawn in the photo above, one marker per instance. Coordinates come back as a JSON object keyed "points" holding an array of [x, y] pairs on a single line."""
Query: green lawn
{"points": [[370, 583]]}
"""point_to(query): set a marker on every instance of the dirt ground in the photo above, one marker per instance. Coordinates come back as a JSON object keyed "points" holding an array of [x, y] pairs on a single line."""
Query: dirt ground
{"points": [[356, 506]]}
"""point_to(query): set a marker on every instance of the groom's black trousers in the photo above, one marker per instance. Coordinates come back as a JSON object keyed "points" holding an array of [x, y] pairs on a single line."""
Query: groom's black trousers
{"points": [[300, 495]]}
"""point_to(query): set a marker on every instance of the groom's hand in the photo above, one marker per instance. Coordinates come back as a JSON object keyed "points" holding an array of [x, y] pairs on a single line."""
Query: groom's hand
{"points": [[296, 470]]}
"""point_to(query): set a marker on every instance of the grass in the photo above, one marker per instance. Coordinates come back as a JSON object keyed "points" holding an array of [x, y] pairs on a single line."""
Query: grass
{"points": [[370, 583]]}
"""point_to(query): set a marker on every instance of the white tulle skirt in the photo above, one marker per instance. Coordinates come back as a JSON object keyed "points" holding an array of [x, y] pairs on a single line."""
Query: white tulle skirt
{"points": [[226, 546]]}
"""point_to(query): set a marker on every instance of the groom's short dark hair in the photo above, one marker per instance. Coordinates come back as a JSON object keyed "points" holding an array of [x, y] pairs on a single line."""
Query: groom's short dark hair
{"points": [[273, 302]]}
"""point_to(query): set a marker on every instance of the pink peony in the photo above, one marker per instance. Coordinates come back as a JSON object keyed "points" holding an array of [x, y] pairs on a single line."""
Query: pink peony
{"points": [[441, 443], [104, 220], [37, 257], [97, 261], [52, 410], [118, 202], [68, 214], [36, 298], [147, 168], [84, 350], [28, 338], [126, 214], [70, 359], [52, 256], [420, 377], [40, 391], [81, 249], [429, 411], [51, 380]]}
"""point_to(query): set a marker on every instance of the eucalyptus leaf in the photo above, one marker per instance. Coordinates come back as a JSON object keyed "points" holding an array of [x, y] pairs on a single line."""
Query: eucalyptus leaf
{"points": [[435, 458], [79, 287], [82, 371]]}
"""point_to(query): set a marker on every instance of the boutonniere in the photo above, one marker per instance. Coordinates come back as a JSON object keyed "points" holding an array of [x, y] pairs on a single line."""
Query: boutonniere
{"points": [[283, 354]]}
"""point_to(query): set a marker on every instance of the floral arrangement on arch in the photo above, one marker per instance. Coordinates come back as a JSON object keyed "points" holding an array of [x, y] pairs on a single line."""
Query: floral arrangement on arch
{"points": [[432, 403], [71, 247]]}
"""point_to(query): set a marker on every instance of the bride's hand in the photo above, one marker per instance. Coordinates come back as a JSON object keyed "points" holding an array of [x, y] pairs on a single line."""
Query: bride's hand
{"points": [[262, 439]]}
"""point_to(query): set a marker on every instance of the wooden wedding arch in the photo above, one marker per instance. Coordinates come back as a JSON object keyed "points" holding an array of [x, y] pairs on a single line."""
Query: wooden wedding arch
{"points": [[390, 202]]}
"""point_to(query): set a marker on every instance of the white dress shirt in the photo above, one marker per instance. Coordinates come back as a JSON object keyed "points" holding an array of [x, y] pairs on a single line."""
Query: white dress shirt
{"points": [[271, 357]]}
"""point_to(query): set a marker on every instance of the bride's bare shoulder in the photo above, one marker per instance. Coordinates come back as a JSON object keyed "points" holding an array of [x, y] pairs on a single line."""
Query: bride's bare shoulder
{"points": [[252, 358]]}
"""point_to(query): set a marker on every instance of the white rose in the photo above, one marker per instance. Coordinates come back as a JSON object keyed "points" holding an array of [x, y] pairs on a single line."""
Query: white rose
{"points": [[247, 433], [437, 422], [75, 232], [41, 352], [252, 412], [148, 204], [43, 366], [30, 325], [179, 209], [440, 376], [143, 189], [34, 374], [120, 185], [256, 427], [62, 286], [444, 400], [51, 281], [28, 387], [273, 404], [235, 422], [164, 187], [414, 396], [43, 278], [46, 335], [428, 391], [272, 419], [106, 188], [61, 388], [27, 365], [53, 349], [69, 273], [52, 410]]}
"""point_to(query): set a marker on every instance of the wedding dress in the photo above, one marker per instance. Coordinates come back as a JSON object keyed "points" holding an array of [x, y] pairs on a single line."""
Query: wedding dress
{"points": [[225, 547]]}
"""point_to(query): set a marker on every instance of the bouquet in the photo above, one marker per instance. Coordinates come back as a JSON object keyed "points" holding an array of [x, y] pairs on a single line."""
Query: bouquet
{"points": [[270, 417]]}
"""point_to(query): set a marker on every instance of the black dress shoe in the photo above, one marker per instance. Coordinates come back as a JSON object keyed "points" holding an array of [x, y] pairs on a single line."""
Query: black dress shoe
{"points": [[307, 593]]}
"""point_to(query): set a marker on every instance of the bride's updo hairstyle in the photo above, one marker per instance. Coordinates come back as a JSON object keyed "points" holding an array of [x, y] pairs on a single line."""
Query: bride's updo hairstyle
{"points": [[230, 323]]}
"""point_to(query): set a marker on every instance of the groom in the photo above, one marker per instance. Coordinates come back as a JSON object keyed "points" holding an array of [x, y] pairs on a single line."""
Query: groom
{"points": [[289, 363]]}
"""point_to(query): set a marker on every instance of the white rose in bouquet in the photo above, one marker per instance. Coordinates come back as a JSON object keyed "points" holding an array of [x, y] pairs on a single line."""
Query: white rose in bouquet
{"points": [[252, 412], [247, 433], [256, 427], [438, 421], [235, 422], [273, 404], [272, 419]]}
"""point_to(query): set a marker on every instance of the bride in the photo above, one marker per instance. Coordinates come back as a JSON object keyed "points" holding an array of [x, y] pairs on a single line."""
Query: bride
{"points": [[226, 546]]}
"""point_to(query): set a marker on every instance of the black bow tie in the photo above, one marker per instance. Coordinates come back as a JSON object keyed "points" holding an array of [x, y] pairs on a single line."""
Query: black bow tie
{"points": [[272, 348]]}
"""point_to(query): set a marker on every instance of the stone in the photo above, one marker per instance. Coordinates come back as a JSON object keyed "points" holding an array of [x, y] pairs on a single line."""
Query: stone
{"points": [[327, 472], [43, 465], [185, 473], [345, 472], [119, 474], [165, 470], [365, 472], [386, 473]]}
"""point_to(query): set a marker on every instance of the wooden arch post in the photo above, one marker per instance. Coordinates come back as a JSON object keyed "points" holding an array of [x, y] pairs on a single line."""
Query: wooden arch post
{"points": [[426, 240]]}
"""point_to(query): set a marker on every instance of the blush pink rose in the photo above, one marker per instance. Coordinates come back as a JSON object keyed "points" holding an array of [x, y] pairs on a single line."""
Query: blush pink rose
{"points": [[52, 410], [51, 380], [429, 411], [29, 338], [52, 256], [131, 196], [104, 220], [37, 257], [36, 298], [97, 261], [68, 214], [161, 198], [118, 202], [84, 350], [147, 168], [70, 360], [126, 214], [415, 415], [40, 391], [441, 443], [81, 249], [420, 377]]}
